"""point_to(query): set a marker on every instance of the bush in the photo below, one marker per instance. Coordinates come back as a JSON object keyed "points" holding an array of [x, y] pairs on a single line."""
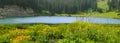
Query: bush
{"points": [[77, 32]]}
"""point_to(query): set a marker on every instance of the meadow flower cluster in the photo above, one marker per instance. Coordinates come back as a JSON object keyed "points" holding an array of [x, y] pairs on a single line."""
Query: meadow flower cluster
{"points": [[77, 32]]}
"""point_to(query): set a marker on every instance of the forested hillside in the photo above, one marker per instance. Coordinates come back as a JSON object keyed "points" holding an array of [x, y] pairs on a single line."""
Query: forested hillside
{"points": [[114, 5], [62, 6]]}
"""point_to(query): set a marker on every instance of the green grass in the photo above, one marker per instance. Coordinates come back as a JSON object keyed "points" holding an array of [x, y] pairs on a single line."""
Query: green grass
{"points": [[94, 14], [107, 15], [77, 32]]}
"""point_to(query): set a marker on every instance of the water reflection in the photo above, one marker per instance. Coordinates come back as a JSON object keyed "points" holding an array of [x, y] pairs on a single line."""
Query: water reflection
{"points": [[56, 19]]}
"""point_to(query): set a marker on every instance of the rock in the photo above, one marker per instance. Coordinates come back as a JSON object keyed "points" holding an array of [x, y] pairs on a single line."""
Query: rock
{"points": [[15, 11]]}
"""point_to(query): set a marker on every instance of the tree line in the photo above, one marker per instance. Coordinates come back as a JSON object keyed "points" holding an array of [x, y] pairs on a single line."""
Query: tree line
{"points": [[114, 5], [60, 6]]}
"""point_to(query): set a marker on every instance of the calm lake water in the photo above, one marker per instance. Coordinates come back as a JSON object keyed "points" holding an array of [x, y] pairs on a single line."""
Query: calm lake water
{"points": [[56, 20]]}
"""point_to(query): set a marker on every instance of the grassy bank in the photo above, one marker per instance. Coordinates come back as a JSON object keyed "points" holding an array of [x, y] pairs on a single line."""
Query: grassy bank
{"points": [[77, 32], [94, 14], [84, 14]]}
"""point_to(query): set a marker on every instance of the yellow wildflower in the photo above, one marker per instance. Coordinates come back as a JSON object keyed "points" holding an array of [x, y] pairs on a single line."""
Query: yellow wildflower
{"points": [[19, 38]]}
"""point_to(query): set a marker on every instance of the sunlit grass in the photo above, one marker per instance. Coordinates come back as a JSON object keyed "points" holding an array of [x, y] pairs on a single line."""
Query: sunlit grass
{"points": [[77, 32], [94, 14]]}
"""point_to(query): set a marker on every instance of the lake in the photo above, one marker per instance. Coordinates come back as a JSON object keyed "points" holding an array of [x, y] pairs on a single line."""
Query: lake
{"points": [[58, 20]]}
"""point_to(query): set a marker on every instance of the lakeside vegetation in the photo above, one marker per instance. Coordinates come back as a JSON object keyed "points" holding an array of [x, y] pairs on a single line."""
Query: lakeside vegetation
{"points": [[77, 32], [94, 14]]}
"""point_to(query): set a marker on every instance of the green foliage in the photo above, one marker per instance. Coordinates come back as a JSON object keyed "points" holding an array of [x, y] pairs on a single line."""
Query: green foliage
{"points": [[103, 5], [53, 6], [77, 32], [65, 7], [114, 5]]}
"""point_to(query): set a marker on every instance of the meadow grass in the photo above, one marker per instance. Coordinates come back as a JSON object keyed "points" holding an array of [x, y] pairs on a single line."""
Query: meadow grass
{"points": [[77, 32], [94, 14]]}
